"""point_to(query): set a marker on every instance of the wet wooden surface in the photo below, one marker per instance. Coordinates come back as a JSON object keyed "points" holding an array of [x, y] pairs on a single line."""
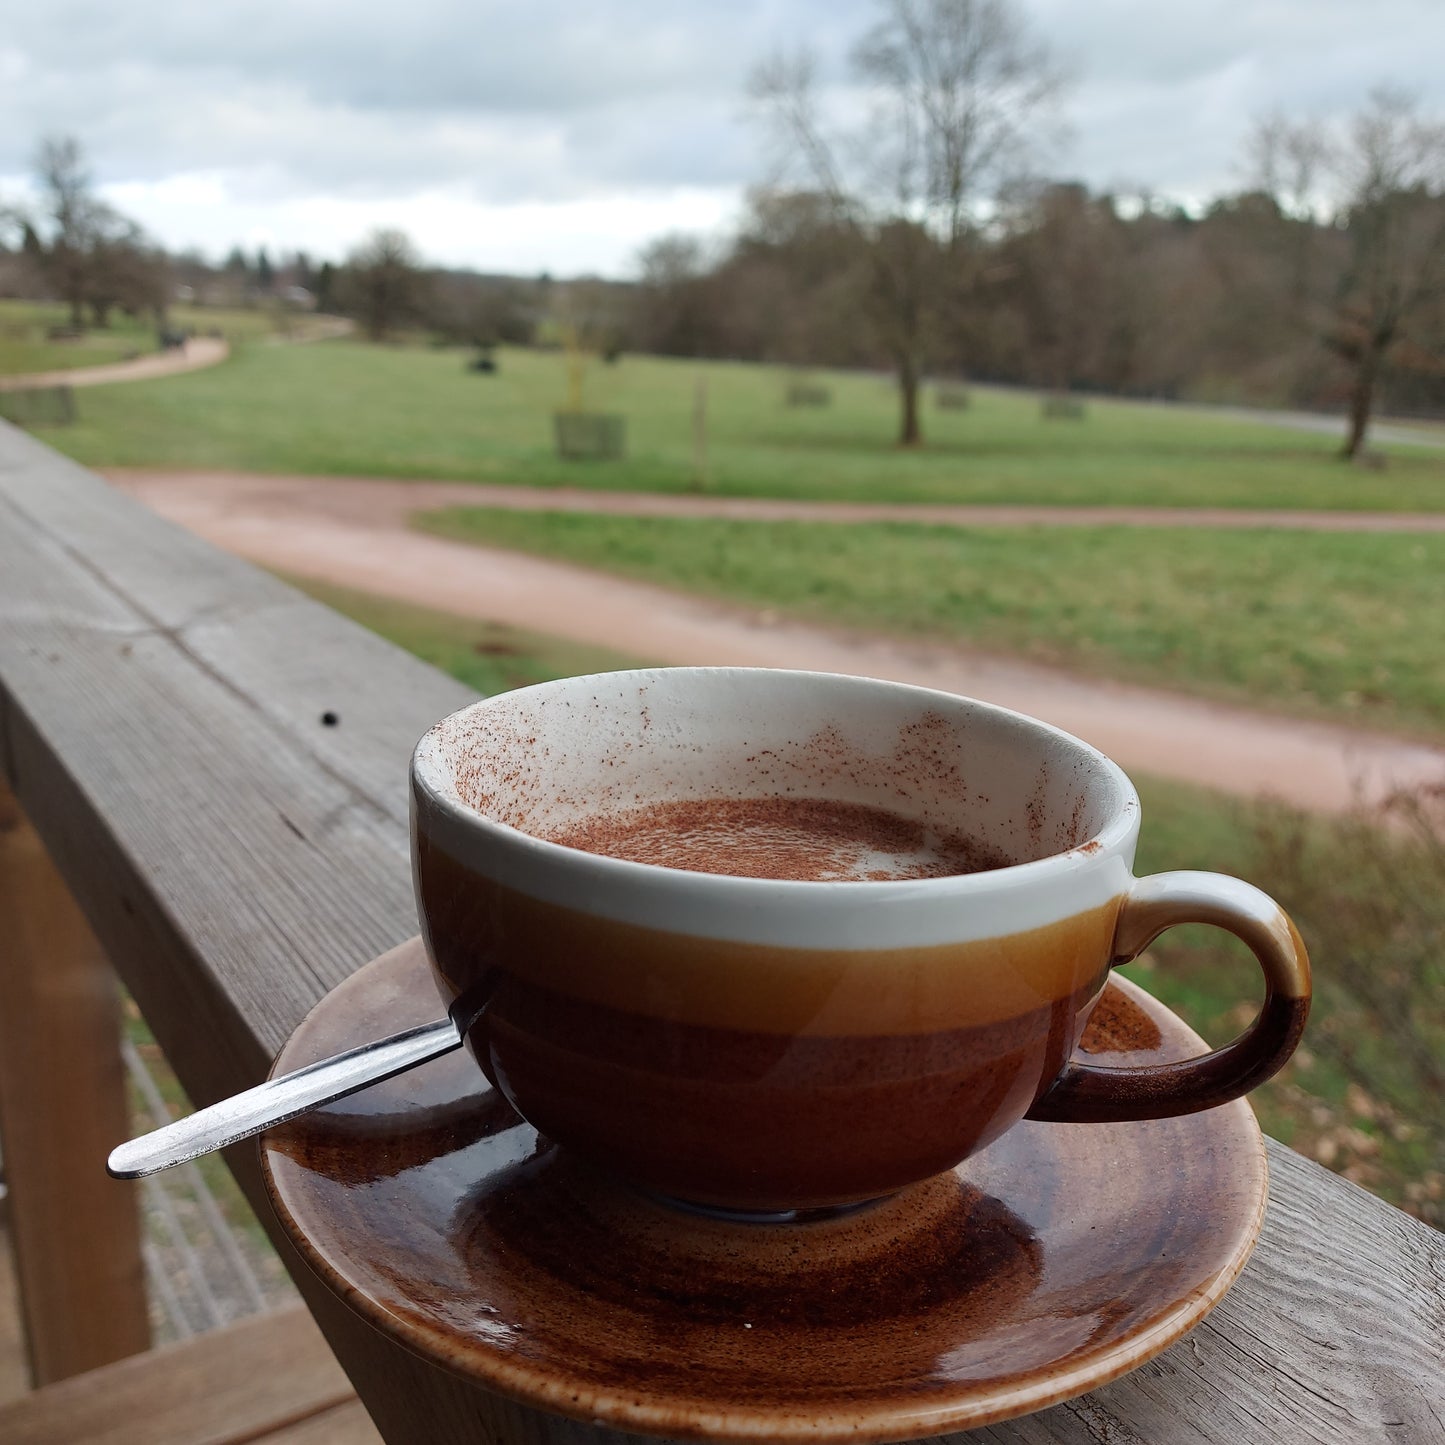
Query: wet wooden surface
{"points": [[161, 712], [270, 1380], [77, 1239]]}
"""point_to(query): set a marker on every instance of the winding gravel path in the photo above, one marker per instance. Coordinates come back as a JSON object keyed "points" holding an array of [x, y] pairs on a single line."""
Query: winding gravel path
{"points": [[370, 502], [197, 353], [355, 534]]}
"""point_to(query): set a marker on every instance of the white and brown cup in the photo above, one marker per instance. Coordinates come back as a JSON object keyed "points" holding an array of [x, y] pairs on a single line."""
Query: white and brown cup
{"points": [[765, 1044]]}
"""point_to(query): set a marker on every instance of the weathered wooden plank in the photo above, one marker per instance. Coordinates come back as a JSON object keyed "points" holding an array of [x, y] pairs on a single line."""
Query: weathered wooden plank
{"points": [[1335, 1332], [14, 1369], [62, 1103], [175, 800], [269, 1373], [159, 716], [257, 840], [347, 1424], [290, 660]]}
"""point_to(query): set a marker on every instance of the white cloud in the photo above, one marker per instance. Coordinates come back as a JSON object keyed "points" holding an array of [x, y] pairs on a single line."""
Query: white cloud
{"points": [[600, 233], [492, 130]]}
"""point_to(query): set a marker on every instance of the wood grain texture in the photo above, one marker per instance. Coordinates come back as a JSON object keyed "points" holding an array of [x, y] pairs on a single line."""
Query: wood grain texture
{"points": [[347, 1424], [271, 1374], [14, 1367], [160, 720], [62, 1102]]}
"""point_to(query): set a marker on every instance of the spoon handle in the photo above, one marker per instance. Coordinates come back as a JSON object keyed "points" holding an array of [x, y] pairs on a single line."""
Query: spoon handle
{"points": [[280, 1099]]}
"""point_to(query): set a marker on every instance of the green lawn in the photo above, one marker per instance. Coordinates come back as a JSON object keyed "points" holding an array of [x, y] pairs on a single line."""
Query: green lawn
{"points": [[1361, 1094], [24, 348], [1351, 626], [407, 411]]}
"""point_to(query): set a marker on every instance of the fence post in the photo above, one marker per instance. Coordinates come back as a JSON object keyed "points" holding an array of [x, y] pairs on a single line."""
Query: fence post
{"points": [[76, 1232]]}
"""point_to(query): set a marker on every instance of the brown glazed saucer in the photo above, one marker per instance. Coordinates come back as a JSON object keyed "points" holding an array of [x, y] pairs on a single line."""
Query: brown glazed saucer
{"points": [[1061, 1257]]}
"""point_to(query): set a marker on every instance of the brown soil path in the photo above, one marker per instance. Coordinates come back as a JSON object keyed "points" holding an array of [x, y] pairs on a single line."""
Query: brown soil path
{"points": [[355, 535], [198, 352], [370, 502]]}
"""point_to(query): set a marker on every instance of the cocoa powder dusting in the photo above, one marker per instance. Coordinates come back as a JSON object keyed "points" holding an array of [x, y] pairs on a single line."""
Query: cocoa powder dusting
{"points": [[806, 839]]}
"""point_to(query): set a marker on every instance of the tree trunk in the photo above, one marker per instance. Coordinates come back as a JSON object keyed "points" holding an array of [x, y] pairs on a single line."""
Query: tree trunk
{"points": [[1362, 399], [909, 434]]}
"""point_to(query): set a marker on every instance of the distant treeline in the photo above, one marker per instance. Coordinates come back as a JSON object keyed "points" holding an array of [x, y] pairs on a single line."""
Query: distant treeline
{"points": [[1064, 290], [1254, 301]]}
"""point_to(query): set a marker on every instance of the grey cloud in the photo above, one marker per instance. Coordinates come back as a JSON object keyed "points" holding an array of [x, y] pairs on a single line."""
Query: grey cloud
{"points": [[1144, 41], [547, 55], [556, 99], [535, 102], [286, 142]]}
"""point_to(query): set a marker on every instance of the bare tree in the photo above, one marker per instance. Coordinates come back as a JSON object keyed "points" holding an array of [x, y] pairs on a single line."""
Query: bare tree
{"points": [[92, 255], [666, 311], [1289, 161], [65, 185], [13, 225], [1394, 169], [957, 94], [1060, 261], [1387, 168], [382, 282], [129, 272]]}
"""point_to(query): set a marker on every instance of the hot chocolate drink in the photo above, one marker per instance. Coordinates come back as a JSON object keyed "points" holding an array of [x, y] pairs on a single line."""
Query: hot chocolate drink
{"points": [[812, 839], [716, 1032]]}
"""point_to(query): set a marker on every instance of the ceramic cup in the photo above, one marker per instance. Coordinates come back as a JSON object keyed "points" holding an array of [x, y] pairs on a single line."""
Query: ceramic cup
{"points": [[774, 1045]]}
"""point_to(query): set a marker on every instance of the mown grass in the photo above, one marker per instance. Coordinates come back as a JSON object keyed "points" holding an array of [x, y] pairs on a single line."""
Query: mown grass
{"points": [[1338, 624], [346, 408], [1361, 1094], [23, 326]]}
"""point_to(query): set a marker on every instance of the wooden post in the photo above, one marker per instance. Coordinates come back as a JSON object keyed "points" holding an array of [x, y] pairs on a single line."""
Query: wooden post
{"points": [[699, 434], [62, 1109]]}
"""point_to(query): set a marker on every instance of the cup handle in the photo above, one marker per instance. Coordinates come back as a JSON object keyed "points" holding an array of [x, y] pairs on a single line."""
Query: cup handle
{"points": [[1092, 1094]]}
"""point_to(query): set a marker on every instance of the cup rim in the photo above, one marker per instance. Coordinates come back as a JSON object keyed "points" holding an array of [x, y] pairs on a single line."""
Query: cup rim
{"points": [[429, 778]]}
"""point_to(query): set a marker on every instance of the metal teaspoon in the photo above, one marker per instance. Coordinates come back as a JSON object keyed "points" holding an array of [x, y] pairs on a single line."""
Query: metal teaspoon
{"points": [[280, 1099]]}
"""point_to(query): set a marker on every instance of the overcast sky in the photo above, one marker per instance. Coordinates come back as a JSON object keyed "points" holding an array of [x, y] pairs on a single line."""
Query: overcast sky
{"points": [[548, 135]]}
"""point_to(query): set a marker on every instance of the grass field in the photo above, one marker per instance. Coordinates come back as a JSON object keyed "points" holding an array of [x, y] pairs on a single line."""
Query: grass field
{"points": [[23, 326], [1350, 626], [1361, 1094], [346, 408]]}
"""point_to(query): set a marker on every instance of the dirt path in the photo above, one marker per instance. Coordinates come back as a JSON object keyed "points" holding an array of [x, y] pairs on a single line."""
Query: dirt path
{"points": [[198, 352], [354, 534], [373, 503]]}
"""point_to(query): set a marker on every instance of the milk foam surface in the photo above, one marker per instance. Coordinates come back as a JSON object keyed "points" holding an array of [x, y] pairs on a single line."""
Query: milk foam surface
{"points": [[806, 839]]}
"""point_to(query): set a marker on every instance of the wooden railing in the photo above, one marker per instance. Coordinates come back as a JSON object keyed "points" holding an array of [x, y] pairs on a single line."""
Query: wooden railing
{"points": [[234, 857]]}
